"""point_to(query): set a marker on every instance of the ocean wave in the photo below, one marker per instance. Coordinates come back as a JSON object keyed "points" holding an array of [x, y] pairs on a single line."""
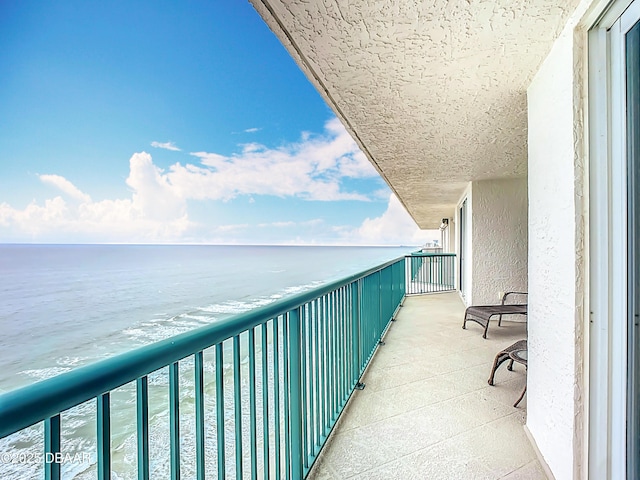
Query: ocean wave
{"points": [[233, 307], [43, 373], [197, 318], [71, 361]]}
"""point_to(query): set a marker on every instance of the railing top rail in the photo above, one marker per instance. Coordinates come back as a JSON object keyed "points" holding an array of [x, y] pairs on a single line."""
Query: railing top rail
{"points": [[430, 254], [33, 403]]}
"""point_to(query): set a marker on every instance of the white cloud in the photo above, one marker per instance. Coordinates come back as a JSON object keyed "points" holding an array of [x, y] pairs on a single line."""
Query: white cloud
{"points": [[313, 168], [138, 219], [277, 224], [394, 227], [252, 130], [153, 194], [287, 224], [154, 213], [34, 219], [237, 227], [66, 186], [166, 146]]}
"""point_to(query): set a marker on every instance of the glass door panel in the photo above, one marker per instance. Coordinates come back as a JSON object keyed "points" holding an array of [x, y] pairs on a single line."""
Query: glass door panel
{"points": [[632, 66]]}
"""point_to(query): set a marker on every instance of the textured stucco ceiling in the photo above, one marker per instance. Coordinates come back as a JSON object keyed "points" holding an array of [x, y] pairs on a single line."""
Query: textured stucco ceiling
{"points": [[433, 91]]}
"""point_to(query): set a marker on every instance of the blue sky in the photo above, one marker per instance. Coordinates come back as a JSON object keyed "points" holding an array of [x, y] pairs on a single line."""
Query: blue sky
{"points": [[174, 122]]}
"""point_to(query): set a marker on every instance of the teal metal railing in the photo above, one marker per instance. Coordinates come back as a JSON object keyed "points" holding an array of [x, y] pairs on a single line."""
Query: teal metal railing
{"points": [[430, 272], [264, 388]]}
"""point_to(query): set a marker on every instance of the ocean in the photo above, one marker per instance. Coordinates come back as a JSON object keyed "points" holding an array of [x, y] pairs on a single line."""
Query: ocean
{"points": [[63, 306]]}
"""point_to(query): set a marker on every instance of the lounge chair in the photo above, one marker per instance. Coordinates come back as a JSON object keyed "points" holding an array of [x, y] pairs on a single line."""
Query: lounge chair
{"points": [[481, 314]]}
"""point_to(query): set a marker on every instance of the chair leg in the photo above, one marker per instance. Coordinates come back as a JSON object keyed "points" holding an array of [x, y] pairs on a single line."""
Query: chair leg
{"points": [[464, 322], [521, 396], [510, 367], [499, 360]]}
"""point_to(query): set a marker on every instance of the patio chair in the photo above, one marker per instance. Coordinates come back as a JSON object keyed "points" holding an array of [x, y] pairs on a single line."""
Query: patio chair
{"points": [[481, 314]]}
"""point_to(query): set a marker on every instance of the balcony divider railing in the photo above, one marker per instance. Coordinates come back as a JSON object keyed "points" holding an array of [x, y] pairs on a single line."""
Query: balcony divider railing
{"points": [[430, 273], [252, 396]]}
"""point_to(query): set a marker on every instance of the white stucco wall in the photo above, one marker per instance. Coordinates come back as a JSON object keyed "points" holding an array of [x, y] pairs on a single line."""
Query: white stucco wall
{"points": [[499, 238], [556, 239]]}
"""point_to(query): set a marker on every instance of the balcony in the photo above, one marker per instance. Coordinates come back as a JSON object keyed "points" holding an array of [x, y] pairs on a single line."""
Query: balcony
{"points": [[427, 410], [268, 387]]}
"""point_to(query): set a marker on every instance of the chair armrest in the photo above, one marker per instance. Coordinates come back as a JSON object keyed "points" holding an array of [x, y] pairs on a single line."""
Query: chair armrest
{"points": [[504, 297]]}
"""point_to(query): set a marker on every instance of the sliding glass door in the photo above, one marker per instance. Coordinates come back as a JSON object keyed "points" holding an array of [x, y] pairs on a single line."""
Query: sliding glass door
{"points": [[614, 238], [463, 247], [632, 67]]}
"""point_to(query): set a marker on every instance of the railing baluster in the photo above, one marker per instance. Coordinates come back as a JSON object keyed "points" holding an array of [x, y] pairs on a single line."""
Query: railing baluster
{"points": [[309, 372], [174, 419], [104, 437], [371, 317], [276, 394], [378, 310], [310, 382], [303, 384], [252, 403], [338, 344], [199, 404], [366, 323], [287, 408], [343, 346], [297, 439], [313, 379], [265, 402], [339, 340], [355, 334], [429, 266], [334, 354], [324, 366], [330, 352], [317, 394], [220, 417], [52, 448], [142, 411], [237, 403], [427, 273], [338, 388]]}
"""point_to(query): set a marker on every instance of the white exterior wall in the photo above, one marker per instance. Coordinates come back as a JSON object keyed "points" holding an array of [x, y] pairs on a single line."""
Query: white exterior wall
{"points": [[556, 262], [498, 239]]}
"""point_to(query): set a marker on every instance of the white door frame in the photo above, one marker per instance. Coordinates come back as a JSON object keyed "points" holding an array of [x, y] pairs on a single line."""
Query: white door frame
{"points": [[608, 242]]}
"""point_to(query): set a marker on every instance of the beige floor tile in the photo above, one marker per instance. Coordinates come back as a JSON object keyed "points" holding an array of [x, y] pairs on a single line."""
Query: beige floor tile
{"points": [[365, 408], [397, 469], [531, 471], [351, 452], [501, 450], [381, 377], [447, 461], [427, 411], [422, 393], [483, 405]]}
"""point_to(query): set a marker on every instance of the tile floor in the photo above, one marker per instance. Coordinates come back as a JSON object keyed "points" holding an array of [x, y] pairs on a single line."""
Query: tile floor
{"points": [[427, 411]]}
